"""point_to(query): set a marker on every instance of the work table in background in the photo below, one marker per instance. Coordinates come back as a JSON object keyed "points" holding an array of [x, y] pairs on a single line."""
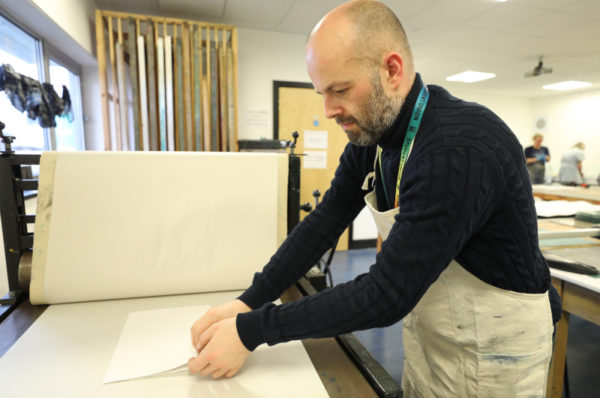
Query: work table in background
{"points": [[563, 192], [580, 294]]}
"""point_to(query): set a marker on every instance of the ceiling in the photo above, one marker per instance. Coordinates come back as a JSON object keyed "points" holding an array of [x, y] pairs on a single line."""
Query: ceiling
{"points": [[447, 36]]}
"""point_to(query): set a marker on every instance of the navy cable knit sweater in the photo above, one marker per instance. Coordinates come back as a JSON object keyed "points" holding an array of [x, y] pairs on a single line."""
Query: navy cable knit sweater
{"points": [[465, 195]]}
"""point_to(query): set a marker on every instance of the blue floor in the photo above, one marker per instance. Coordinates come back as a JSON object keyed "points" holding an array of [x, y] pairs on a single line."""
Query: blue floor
{"points": [[385, 344]]}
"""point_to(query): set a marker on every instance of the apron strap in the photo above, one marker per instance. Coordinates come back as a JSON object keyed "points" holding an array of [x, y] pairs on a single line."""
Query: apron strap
{"points": [[371, 176], [367, 182]]}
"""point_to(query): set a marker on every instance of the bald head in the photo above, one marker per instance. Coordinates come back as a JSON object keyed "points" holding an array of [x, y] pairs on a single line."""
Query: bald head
{"points": [[359, 60], [366, 30]]}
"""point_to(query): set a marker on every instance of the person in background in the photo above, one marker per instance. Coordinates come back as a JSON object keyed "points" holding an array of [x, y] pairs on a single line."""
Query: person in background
{"points": [[570, 172], [536, 156]]}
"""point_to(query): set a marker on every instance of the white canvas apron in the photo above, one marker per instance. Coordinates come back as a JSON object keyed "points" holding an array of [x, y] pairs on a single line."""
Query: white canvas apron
{"points": [[466, 338]]}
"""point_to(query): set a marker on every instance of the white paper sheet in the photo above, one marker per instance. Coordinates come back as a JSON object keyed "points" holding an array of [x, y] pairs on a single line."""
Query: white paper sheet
{"points": [[154, 342], [135, 224]]}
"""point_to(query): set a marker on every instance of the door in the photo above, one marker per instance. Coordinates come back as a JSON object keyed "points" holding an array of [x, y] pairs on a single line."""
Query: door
{"points": [[297, 107]]}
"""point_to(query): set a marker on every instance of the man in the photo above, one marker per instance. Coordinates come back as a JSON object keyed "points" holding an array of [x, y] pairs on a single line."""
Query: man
{"points": [[460, 260], [536, 157]]}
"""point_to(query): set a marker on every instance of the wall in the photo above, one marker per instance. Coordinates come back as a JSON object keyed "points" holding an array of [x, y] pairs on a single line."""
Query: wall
{"points": [[572, 118], [265, 56], [74, 17], [92, 108]]}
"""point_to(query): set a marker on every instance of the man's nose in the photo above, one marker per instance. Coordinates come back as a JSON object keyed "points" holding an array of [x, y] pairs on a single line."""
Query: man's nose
{"points": [[332, 108]]}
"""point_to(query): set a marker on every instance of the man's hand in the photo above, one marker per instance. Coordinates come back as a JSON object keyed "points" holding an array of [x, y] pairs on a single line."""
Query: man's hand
{"points": [[213, 315], [221, 353]]}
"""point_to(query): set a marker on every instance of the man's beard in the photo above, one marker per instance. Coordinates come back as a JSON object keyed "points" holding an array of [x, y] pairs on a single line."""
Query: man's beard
{"points": [[375, 118]]}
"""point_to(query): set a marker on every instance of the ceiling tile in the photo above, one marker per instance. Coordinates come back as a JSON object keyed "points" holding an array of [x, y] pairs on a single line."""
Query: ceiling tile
{"points": [[302, 17], [588, 31], [547, 4], [549, 23], [136, 6], [257, 10], [504, 16], [407, 8], [583, 7], [455, 11], [211, 8], [520, 43], [466, 36]]}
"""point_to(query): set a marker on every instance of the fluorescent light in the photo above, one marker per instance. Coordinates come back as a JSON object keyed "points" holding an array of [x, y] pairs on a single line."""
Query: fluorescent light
{"points": [[470, 76], [568, 85]]}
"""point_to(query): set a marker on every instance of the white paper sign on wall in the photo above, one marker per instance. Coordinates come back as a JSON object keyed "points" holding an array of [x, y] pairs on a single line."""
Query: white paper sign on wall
{"points": [[315, 160], [315, 139]]}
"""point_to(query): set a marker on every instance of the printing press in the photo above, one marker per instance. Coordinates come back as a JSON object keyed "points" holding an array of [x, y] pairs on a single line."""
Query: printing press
{"points": [[67, 337]]}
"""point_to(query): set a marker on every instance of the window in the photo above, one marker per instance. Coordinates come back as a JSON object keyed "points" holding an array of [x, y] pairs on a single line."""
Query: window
{"points": [[68, 133], [24, 53]]}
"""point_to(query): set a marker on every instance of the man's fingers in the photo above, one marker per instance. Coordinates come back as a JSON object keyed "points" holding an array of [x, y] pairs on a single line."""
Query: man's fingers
{"points": [[199, 365], [220, 351], [204, 338], [196, 364], [218, 373], [233, 371], [214, 315], [208, 369], [200, 327]]}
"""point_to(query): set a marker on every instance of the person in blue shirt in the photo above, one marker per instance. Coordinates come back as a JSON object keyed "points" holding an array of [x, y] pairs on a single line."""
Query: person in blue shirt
{"points": [[536, 157]]}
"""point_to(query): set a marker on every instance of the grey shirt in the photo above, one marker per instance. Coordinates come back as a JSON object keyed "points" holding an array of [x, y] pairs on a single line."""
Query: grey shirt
{"points": [[569, 172]]}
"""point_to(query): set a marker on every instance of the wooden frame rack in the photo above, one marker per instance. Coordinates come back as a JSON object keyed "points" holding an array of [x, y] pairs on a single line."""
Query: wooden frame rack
{"points": [[166, 83]]}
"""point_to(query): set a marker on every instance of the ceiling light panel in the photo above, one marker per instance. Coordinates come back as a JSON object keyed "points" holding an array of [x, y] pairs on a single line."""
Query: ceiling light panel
{"points": [[566, 85], [470, 76]]}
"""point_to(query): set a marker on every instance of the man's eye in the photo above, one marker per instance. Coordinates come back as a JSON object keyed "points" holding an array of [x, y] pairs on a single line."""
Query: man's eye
{"points": [[340, 92]]}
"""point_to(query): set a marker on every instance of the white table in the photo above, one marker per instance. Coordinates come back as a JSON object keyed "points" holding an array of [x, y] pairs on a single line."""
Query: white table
{"points": [[66, 353]]}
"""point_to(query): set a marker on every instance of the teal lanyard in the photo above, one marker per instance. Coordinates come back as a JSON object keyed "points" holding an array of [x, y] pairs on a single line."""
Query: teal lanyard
{"points": [[411, 132]]}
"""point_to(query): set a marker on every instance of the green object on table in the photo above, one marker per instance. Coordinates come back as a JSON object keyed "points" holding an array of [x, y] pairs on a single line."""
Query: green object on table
{"points": [[588, 216]]}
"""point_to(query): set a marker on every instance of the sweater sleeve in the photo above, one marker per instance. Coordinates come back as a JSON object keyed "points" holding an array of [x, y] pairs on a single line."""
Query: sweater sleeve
{"points": [[446, 197], [312, 237]]}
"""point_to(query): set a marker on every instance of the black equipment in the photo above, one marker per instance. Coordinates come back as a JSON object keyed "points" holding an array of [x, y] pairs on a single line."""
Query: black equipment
{"points": [[15, 181]]}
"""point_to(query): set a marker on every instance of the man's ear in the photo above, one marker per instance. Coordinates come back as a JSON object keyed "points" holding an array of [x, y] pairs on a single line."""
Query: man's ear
{"points": [[394, 66]]}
